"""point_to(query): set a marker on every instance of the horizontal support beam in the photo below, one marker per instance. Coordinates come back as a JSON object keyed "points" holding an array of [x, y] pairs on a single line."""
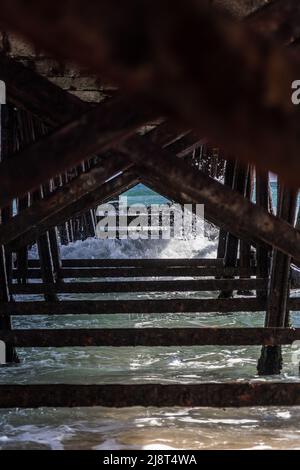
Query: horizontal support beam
{"points": [[86, 273], [147, 306], [141, 286], [219, 395], [133, 263], [107, 307], [151, 337]]}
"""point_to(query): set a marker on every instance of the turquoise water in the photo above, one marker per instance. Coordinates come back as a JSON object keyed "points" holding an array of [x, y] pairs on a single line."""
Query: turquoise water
{"points": [[141, 194], [138, 428]]}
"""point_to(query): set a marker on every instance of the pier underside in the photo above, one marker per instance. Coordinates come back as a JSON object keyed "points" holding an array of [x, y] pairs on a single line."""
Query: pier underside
{"points": [[91, 115]]}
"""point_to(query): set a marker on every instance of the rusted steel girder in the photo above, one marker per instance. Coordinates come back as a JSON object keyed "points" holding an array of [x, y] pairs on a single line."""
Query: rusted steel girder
{"points": [[133, 263], [151, 337], [143, 286], [111, 307], [104, 193], [95, 131], [230, 394], [71, 273], [240, 216], [64, 197]]}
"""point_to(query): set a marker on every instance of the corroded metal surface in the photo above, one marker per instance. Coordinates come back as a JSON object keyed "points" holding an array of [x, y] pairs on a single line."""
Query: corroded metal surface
{"points": [[146, 395], [151, 337]]}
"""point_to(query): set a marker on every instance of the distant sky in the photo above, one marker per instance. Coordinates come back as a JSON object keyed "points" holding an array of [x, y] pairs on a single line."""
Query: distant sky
{"points": [[273, 177]]}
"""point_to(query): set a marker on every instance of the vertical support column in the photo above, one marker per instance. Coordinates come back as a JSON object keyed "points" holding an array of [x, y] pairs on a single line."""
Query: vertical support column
{"points": [[270, 362], [24, 138], [7, 149], [5, 320], [53, 239], [46, 261], [245, 248], [62, 229], [6, 258], [262, 252], [22, 254], [87, 220], [228, 181], [232, 242], [55, 252]]}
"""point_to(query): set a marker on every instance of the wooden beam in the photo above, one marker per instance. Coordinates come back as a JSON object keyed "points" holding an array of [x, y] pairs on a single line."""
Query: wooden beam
{"points": [[259, 111], [152, 337], [221, 395]]}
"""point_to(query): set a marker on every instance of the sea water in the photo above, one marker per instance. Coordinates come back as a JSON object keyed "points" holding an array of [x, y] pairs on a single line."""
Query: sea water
{"points": [[141, 428]]}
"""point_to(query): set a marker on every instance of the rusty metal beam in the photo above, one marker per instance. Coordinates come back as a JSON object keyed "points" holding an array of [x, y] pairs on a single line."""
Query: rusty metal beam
{"points": [[230, 209], [150, 337], [56, 208], [147, 272], [133, 263], [104, 193], [149, 306], [29, 90], [224, 395], [95, 131], [142, 286]]}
